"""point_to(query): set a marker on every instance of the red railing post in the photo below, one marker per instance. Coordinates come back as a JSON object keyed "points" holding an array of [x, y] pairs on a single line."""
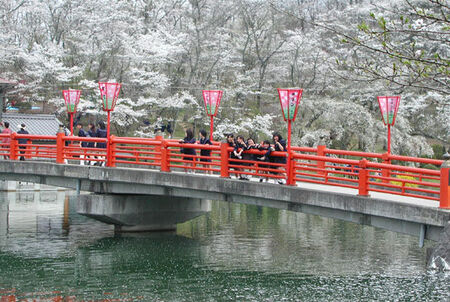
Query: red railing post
{"points": [[60, 148], [13, 147], [28, 149], [291, 170], [363, 187], [158, 148], [111, 156], [321, 164], [224, 169], [386, 172], [445, 185], [164, 157]]}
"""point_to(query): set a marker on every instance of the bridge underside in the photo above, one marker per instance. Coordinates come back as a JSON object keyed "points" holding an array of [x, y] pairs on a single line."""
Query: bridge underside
{"points": [[415, 220], [136, 213]]}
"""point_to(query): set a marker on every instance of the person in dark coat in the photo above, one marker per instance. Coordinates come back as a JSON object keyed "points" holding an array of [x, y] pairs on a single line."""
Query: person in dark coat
{"points": [[82, 133], [248, 156], [239, 147], [232, 143], [188, 139], [204, 140], [101, 133], [92, 132], [84, 145], [267, 148], [169, 129], [279, 144], [22, 141]]}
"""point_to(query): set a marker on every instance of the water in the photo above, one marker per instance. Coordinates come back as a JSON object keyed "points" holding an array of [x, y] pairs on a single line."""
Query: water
{"points": [[236, 252]]}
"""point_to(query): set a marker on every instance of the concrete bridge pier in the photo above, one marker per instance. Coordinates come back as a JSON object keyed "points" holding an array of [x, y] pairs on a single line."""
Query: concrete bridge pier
{"points": [[438, 257], [138, 213], [3, 185]]}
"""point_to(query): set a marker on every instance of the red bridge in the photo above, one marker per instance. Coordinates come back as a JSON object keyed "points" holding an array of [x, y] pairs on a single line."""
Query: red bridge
{"points": [[366, 172]]}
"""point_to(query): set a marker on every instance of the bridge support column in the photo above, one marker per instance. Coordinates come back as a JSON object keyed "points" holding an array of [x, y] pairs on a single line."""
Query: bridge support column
{"points": [[438, 258], [3, 185], [136, 213]]}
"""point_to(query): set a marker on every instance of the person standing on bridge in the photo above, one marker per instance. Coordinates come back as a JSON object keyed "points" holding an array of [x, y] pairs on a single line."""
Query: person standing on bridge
{"points": [[267, 148], [6, 140], [101, 133], [84, 145], [280, 146], [204, 140], [22, 141], [92, 132], [231, 143], [239, 147], [188, 139]]}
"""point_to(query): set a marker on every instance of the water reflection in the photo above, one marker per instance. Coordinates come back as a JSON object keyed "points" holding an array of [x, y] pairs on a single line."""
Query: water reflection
{"points": [[236, 252]]}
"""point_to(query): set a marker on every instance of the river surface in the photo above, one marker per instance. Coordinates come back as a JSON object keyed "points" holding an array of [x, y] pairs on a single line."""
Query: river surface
{"points": [[234, 253]]}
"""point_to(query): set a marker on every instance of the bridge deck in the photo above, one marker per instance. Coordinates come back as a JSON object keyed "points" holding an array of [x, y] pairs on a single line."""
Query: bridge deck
{"points": [[336, 189], [395, 212]]}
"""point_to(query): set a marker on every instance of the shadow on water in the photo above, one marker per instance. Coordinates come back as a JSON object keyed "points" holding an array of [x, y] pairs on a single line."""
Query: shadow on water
{"points": [[236, 252]]}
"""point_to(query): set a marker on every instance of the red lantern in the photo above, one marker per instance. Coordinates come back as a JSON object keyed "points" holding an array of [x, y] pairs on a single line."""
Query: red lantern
{"points": [[211, 100], [289, 100], [388, 108], [109, 93], [71, 98]]}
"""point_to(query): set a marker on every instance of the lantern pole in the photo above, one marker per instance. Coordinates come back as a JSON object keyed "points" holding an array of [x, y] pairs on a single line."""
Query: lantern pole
{"points": [[389, 139], [211, 128], [108, 125], [288, 168], [108, 145], [71, 123]]}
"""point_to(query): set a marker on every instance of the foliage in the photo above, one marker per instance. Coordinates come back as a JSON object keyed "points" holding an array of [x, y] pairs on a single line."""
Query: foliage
{"points": [[406, 183]]}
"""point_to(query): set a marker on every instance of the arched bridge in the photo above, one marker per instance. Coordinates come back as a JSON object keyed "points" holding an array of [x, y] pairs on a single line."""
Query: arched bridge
{"points": [[381, 190]]}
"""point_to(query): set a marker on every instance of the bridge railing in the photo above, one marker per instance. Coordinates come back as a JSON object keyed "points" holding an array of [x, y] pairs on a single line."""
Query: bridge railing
{"points": [[366, 176], [364, 171]]}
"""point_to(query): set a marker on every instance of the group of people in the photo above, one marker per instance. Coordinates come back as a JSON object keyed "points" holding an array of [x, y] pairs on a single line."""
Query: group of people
{"points": [[99, 132], [21, 141], [239, 157], [241, 145]]}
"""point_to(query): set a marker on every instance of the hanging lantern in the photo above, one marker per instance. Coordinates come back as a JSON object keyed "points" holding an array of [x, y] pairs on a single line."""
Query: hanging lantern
{"points": [[109, 93], [211, 100], [388, 108], [289, 100], [71, 98]]}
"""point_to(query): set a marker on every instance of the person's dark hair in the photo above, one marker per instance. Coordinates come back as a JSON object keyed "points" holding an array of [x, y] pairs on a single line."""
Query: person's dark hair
{"points": [[266, 142], [92, 126], [241, 137], [203, 132], [189, 134], [230, 135], [277, 134], [6, 124], [250, 138], [80, 124], [101, 124]]}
